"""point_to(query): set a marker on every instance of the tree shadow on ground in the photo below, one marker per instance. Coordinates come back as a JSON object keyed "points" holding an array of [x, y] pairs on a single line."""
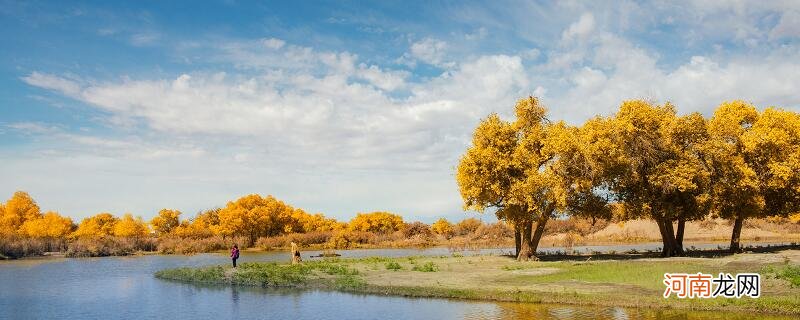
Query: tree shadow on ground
{"points": [[649, 254]]}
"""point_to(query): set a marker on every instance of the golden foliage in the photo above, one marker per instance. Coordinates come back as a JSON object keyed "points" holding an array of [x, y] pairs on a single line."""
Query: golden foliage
{"points": [[165, 221], [50, 225], [378, 222], [16, 211], [442, 227], [98, 225], [128, 226]]}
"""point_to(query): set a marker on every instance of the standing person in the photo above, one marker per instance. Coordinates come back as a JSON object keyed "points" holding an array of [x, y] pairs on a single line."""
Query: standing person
{"points": [[295, 254], [234, 254]]}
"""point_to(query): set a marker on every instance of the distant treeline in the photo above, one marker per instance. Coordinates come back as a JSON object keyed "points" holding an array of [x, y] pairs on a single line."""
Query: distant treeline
{"points": [[252, 220]]}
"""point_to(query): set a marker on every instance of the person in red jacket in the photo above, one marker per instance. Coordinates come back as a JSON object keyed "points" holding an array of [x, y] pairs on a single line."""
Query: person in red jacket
{"points": [[234, 254]]}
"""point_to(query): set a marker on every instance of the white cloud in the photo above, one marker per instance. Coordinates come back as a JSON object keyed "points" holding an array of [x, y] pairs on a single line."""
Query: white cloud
{"points": [[621, 71], [64, 86], [429, 50], [332, 131], [787, 27], [320, 115], [580, 29], [273, 43], [385, 80]]}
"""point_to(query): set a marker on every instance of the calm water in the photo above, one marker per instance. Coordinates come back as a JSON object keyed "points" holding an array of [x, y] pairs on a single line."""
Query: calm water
{"points": [[124, 288]]}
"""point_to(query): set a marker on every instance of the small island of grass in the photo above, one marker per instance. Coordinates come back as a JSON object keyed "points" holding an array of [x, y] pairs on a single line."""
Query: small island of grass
{"points": [[623, 280]]}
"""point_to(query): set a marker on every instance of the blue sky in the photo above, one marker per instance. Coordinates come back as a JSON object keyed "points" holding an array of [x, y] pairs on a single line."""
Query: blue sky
{"points": [[341, 107]]}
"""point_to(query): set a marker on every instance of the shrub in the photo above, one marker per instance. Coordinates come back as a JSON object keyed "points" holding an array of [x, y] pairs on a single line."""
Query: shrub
{"points": [[416, 228], [467, 226], [427, 267], [348, 239], [301, 239], [101, 247], [179, 245], [394, 266], [443, 227], [493, 232], [580, 226], [17, 247]]}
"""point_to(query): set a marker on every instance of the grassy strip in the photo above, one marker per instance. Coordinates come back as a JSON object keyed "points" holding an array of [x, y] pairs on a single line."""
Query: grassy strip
{"points": [[262, 274], [633, 283]]}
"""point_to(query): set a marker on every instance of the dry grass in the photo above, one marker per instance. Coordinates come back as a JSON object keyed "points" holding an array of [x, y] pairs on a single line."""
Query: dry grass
{"points": [[707, 230]]}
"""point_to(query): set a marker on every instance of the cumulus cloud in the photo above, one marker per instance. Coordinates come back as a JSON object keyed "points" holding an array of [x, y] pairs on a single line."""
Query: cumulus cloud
{"points": [[326, 129], [273, 43], [580, 29], [620, 70], [341, 107], [429, 50]]}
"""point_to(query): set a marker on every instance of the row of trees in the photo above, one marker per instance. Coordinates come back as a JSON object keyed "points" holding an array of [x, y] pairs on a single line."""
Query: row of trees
{"points": [[251, 216], [21, 216], [646, 161]]}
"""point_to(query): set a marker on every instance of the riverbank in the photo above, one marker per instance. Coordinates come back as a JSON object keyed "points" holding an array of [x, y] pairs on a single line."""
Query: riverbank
{"points": [[630, 280]]}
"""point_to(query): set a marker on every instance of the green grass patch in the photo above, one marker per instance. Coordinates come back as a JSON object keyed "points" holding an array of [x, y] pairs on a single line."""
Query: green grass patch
{"points": [[645, 274], [790, 273], [394, 266], [426, 267]]}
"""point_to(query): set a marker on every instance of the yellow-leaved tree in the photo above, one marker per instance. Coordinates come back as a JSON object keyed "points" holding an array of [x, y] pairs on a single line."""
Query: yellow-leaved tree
{"points": [[254, 216], [378, 222], [442, 227], [756, 163], [510, 167], [51, 225], [655, 167], [99, 225], [17, 210], [204, 225], [165, 221], [128, 226], [305, 222]]}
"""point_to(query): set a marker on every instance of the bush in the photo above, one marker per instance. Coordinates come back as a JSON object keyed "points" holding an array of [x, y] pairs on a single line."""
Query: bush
{"points": [[394, 266], [179, 245], [416, 228], [443, 227], [494, 232], [107, 246], [427, 267], [467, 226], [575, 225], [18, 247], [350, 239], [301, 239]]}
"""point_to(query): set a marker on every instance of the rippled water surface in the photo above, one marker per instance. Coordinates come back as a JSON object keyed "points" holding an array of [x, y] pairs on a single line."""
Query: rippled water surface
{"points": [[124, 288]]}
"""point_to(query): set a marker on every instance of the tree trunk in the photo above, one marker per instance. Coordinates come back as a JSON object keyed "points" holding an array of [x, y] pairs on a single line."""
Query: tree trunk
{"points": [[737, 235], [525, 252], [517, 240], [537, 234], [679, 236], [667, 237]]}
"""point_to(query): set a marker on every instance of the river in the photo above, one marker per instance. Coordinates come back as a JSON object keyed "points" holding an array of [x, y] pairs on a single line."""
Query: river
{"points": [[124, 288]]}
